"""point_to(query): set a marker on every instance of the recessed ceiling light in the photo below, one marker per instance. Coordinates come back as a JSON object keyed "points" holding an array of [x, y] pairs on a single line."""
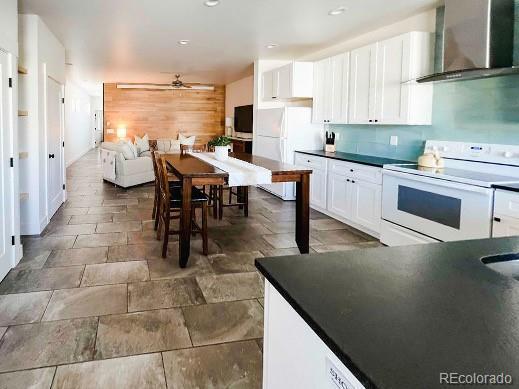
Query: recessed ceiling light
{"points": [[211, 3], [183, 42], [272, 45], [337, 11]]}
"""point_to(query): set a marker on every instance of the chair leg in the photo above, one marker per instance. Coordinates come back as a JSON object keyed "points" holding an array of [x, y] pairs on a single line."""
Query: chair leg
{"points": [[246, 201], [156, 212], [159, 221], [239, 197], [220, 202], [193, 218], [204, 229], [166, 236], [214, 195]]}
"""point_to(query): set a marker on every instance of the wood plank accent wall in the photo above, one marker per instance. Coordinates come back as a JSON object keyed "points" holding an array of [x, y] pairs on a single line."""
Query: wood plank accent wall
{"points": [[162, 114]]}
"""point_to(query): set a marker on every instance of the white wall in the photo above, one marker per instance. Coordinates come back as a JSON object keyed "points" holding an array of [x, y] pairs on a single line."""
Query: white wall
{"points": [[9, 26], [238, 93], [78, 123], [43, 56]]}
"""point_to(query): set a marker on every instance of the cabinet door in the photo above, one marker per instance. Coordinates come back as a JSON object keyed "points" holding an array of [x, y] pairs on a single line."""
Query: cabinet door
{"points": [[505, 226], [392, 97], [366, 199], [339, 195], [318, 189], [338, 90], [284, 82], [363, 76], [268, 85], [321, 95]]}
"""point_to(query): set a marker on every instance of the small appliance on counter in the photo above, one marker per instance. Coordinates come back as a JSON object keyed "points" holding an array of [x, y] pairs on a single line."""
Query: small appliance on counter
{"points": [[431, 160], [330, 143]]}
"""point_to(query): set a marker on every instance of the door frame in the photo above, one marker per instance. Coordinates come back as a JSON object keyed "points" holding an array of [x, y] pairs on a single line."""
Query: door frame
{"points": [[14, 252], [46, 138]]}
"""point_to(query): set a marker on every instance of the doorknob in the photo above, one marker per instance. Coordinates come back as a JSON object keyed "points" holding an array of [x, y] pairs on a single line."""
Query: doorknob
{"points": [[51, 155]]}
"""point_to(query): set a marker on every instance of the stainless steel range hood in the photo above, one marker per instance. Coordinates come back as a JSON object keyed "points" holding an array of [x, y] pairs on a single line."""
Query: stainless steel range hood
{"points": [[478, 40]]}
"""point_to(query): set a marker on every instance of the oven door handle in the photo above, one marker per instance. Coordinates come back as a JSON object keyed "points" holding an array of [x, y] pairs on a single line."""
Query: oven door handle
{"points": [[439, 182]]}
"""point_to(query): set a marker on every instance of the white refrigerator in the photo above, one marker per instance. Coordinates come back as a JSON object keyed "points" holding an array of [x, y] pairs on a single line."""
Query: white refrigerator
{"points": [[279, 132]]}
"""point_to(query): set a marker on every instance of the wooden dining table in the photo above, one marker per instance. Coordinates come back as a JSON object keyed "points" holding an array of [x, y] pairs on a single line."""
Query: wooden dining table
{"points": [[194, 172]]}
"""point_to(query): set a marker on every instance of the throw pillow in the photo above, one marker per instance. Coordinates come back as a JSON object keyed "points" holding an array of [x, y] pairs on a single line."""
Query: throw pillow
{"points": [[126, 150], [184, 140], [134, 149], [143, 144]]}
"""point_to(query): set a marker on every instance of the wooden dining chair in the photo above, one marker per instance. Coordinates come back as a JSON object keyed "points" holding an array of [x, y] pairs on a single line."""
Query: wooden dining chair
{"points": [[173, 181], [170, 208], [217, 200]]}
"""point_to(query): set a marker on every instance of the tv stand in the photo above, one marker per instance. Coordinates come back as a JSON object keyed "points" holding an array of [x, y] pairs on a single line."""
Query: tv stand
{"points": [[241, 145]]}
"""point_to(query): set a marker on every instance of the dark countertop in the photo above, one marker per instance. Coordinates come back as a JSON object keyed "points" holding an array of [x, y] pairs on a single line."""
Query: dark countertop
{"points": [[397, 317], [356, 158], [511, 187]]}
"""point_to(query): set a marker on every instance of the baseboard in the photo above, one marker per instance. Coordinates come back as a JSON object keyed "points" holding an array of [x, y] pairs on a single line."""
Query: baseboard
{"points": [[81, 155], [348, 222], [30, 229]]}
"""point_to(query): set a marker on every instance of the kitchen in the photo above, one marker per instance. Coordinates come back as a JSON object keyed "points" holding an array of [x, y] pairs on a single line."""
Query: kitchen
{"points": [[419, 150]]}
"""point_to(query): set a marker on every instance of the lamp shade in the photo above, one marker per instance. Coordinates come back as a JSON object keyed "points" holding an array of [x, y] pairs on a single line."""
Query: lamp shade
{"points": [[228, 122], [121, 132]]}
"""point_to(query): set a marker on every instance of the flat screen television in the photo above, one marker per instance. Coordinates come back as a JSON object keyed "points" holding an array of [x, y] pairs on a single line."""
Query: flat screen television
{"points": [[243, 119]]}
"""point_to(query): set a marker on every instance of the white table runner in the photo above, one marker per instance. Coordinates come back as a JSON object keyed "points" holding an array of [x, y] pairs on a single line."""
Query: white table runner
{"points": [[241, 173]]}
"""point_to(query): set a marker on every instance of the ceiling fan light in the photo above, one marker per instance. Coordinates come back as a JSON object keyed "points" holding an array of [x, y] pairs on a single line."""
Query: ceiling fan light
{"points": [[211, 3], [272, 46], [183, 42]]}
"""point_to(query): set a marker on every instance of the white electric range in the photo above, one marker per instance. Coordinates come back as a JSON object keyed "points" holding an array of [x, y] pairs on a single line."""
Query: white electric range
{"points": [[421, 205]]}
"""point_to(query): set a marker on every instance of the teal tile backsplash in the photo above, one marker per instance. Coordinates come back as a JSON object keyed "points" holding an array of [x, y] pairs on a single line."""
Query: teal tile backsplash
{"points": [[485, 111]]}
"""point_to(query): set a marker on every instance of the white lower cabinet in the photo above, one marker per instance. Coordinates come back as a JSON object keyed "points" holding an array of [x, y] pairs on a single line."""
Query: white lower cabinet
{"points": [[293, 355], [349, 192], [506, 214]]}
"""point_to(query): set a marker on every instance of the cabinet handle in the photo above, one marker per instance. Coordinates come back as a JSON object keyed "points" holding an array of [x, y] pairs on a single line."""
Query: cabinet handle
{"points": [[353, 182], [376, 120], [497, 219], [351, 170], [347, 180]]}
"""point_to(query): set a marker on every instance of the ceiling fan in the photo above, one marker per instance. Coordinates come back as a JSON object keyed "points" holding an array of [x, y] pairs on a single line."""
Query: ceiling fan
{"points": [[176, 84]]}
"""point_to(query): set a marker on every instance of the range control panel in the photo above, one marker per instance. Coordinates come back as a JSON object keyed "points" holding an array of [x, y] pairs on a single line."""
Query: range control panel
{"points": [[477, 152]]}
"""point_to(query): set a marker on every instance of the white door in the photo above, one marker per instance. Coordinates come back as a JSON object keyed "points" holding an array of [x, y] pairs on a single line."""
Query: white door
{"points": [[366, 204], [321, 102], [393, 59], [340, 69], [54, 146], [318, 189], [363, 74], [339, 189], [268, 85], [98, 127], [284, 82], [6, 248]]}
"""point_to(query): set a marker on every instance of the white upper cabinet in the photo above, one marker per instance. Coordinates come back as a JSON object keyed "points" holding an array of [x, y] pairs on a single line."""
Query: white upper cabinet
{"points": [[290, 82], [382, 90], [331, 76]]}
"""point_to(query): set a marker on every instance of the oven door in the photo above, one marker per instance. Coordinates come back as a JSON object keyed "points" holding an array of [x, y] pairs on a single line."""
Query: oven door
{"points": [[440, 209]]}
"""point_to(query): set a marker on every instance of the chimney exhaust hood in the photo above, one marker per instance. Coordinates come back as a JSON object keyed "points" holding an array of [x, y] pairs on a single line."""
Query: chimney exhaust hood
{"points": [[478, 40]]}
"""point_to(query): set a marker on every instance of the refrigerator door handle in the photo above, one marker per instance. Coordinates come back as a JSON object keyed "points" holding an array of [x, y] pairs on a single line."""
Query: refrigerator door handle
{"points": [[282, 150]]}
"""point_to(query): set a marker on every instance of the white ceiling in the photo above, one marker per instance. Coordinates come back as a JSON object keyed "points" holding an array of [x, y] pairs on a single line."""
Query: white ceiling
{"points": [[136, 40]]}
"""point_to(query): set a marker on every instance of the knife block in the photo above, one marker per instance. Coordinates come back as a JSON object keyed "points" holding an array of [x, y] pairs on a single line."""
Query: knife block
{"points": [[329, 148]]}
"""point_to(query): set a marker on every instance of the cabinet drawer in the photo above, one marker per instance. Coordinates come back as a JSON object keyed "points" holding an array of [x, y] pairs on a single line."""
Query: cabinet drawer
{"points": [[311, 161], [507, 203], [354, 170]]}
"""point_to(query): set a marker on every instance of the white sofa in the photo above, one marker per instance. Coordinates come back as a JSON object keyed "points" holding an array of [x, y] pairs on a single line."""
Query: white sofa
{"points": [[128, 172]]}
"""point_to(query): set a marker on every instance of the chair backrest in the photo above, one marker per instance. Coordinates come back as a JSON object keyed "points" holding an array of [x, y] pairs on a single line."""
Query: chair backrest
{"points": [[162, 172], [197, 148], [155, 168]]}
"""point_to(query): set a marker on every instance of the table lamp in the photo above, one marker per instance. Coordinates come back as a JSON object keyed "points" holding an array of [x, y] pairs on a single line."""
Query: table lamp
{"points": [[228, 126]]}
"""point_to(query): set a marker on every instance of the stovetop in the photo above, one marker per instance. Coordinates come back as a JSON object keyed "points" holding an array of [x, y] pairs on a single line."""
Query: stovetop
{"points": [[471, 177]]}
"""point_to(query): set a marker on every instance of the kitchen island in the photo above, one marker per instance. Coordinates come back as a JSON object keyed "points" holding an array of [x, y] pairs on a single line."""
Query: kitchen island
{"points": [[401, 317]]}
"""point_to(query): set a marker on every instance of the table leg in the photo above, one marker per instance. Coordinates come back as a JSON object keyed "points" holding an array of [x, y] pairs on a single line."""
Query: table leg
{"points": [[185, 223], [303, 214]]}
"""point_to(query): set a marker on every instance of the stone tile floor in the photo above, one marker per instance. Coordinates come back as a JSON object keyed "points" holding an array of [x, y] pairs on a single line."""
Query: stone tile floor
{"points": [[93, 305]]}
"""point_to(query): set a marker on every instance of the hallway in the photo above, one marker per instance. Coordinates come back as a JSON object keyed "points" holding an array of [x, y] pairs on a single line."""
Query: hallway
{"points": [[92, 303]]}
